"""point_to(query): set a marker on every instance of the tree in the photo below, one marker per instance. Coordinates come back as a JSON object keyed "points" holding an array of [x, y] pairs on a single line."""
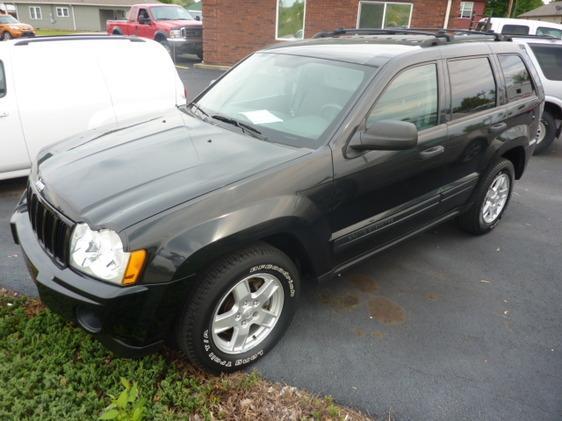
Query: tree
{"points": [[498, 8]]}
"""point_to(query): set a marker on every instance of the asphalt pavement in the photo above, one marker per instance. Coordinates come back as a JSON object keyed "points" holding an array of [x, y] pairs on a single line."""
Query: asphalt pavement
{"points": [[446, 326]]}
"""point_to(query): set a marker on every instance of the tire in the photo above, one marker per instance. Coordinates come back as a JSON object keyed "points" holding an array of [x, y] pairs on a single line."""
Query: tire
{"points": [[166, 45], [474, 220], [215, 296], [6, 36], [200, 55], [548, 124], [116, 32]]}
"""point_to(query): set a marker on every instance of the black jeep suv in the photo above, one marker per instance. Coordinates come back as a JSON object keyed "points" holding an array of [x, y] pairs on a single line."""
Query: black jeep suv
{"points": [[301, 161]]}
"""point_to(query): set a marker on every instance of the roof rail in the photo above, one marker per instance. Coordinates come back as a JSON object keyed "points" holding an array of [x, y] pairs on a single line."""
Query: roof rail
{"points": [[27, 41], [386, 31], [545, 36]]}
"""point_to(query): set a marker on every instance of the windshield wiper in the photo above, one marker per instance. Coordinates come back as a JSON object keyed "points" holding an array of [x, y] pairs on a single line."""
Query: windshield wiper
{"points": [[243, 126]]}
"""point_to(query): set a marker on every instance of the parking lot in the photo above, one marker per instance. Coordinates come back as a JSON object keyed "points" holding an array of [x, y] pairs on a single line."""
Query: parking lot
{"points": [[445, 326]]}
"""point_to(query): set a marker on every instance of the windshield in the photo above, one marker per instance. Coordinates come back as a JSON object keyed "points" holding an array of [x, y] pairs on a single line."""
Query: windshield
{"points": [[170, 13], [8, 19], [289, 99], [550, 59]]}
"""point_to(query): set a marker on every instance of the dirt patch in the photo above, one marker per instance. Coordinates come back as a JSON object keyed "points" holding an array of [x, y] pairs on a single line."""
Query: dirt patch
{"points": [[432, 296], [364, 283], [386, 311], [339, 302], [358, 331], [377, 334]]}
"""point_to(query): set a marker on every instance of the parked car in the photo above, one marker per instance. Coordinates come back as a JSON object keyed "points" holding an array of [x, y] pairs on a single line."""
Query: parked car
{"points": [[509, 26], [10, 28], [52, 88], [169, 24], [546, 55], [300, 162]]}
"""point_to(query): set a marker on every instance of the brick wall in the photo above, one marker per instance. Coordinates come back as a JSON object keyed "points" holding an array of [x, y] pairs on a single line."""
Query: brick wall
{"points": [[236, 28]]}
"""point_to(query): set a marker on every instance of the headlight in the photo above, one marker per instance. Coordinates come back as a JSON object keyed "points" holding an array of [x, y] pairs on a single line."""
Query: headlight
{"points": [[175, 33], [100, 254]]}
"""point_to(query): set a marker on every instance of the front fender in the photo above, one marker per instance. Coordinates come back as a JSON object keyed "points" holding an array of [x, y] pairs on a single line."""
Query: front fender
{"points": [[190, 250]]}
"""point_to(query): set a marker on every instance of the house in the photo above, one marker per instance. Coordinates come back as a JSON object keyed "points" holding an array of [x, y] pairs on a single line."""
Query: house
{"points": [[73, 15], [235, 28], [551, 12]]}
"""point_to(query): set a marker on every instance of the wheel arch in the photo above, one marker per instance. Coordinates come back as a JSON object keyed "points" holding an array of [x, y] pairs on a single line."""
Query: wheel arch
{"points": [[518, 158], [556, 111], [117, 31], [160, 36]]}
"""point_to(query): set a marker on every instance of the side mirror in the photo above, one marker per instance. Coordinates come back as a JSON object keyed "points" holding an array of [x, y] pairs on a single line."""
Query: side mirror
{"points": [[386, 135], [197, 17]]}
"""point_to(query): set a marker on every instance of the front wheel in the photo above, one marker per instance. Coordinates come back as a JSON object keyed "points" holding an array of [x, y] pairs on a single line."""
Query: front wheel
{"points": [[490, 199], [6, 36], [241, 307]]}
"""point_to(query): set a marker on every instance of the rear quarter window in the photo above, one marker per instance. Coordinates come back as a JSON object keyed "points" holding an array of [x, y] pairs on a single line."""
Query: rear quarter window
{"points": [[515, 30], [518, 82], [553, 32], [550, 60]]}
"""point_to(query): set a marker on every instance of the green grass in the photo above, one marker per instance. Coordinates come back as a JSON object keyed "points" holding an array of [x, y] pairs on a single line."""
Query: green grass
{"points": [[52, 32], [51, 370]]}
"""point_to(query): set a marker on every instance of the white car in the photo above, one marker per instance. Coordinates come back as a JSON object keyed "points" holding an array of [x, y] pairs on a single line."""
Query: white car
{"points": [[52, 88], [520, 27], [546, 55]]}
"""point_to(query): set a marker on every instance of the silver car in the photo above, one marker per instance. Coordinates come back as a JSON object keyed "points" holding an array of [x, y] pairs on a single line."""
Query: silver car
{"points": [[546, 54]]}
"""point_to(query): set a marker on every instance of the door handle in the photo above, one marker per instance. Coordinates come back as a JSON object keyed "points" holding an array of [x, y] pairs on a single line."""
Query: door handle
{"points": [[431, 152], [4, 114], [498, 128]]}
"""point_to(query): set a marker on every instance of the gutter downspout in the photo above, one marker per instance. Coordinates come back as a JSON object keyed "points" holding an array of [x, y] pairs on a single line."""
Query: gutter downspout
{"points": [[73, 17], [447, 14]]}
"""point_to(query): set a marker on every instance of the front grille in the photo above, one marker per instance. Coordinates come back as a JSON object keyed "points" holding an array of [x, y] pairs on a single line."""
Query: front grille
{"points": [[51, 230], [192, 32]]}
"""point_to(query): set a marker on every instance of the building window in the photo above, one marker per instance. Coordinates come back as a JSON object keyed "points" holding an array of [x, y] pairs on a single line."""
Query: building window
{"points": [[35, 13], [377, 14], [62, 12], [290, 19], [467, 8]]}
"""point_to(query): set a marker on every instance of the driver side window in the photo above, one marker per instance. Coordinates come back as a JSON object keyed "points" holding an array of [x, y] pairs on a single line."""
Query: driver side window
{"points": [[143, 15], [412, 96]]}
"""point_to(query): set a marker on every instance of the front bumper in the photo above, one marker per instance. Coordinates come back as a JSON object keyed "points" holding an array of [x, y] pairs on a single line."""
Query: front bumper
{"points": [[186, 45], [130, 321]]}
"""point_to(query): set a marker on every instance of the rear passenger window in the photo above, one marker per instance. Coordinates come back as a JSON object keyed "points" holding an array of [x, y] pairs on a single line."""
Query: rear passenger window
{"points": [[515, 30], [550, 60], [517, 79], [473, 87], [2, 81], [411, 96]]}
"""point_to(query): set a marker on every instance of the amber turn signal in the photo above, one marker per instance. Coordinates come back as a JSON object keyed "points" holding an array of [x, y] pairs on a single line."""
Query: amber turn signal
{"points": [[135, 267]]}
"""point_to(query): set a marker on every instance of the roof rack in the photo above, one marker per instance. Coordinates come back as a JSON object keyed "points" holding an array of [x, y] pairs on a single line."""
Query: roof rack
{"points": [[386, 31], [545, 36], [27, 41], [447, 35]]}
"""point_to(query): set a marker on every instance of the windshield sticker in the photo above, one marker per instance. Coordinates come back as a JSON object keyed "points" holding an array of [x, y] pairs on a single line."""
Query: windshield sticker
{"points": [[261, 117]]}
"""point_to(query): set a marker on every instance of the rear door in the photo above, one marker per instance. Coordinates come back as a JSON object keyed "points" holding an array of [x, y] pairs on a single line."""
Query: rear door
{"points": [[14, 156], [475, 120]]}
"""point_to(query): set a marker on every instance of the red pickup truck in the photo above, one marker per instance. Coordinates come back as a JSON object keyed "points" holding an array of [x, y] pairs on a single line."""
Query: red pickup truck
{"points": [[169, 24]]}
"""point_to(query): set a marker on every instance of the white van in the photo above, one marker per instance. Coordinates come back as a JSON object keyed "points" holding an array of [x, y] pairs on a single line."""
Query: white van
{"points": [[52, 88], [519, 27]]}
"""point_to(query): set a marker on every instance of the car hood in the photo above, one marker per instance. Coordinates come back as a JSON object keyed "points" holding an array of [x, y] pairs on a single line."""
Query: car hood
{"points": [[176, 24], [124, 175]]}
